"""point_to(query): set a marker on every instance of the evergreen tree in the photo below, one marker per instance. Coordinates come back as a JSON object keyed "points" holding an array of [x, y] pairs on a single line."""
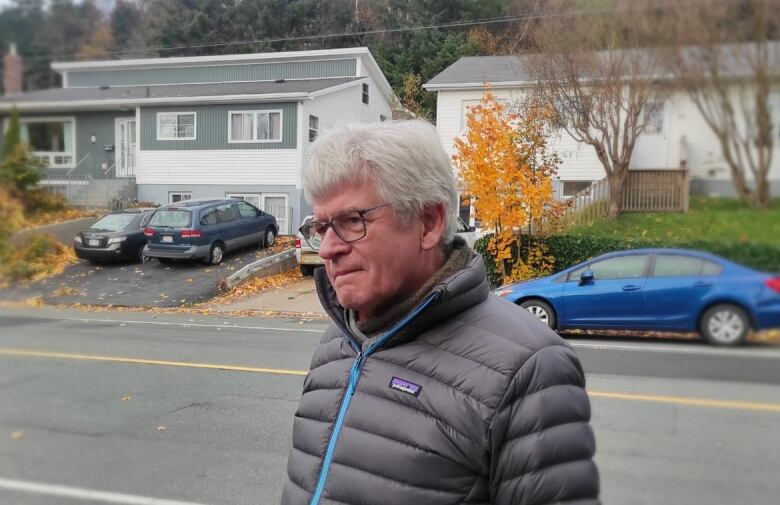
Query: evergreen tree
{"points": [[19, 171]]}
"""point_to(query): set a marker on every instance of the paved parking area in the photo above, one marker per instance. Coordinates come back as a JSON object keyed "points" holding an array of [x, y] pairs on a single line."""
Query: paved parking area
{"points": [[139, 285]]}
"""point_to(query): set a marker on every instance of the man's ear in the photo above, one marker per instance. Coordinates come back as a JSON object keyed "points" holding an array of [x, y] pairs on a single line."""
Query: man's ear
{"points": [[433, 220]]}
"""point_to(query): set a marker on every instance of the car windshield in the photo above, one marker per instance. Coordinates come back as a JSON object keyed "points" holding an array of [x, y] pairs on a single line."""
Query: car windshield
{"points": [[113, 222], [175, 218]]}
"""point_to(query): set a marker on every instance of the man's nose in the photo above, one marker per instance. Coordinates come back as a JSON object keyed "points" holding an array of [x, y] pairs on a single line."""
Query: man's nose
{"points": [[332, 245]]}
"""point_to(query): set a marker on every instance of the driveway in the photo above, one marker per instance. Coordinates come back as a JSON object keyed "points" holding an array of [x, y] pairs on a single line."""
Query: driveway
{"points": [[139, 285]]}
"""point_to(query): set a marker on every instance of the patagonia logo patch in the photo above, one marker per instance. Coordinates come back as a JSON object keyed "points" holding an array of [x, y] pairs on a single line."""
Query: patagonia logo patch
{"points": [[405, 386]]}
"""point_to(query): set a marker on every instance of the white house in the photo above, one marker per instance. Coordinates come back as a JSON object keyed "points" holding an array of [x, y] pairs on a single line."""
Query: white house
{"points": [[676, 131], [168, 129]]}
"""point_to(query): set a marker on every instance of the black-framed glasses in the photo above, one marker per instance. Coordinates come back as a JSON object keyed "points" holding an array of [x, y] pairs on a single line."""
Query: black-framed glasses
{"points": [[349, 226]]}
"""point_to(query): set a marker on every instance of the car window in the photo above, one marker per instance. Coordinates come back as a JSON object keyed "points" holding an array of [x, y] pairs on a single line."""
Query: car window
{"points": [[209, 217], [462, 228], [677, 265], [621, 267], [113, 222], [145, 220], [575, 275], [246, 210], [711, 268], [226, 213], [175, 218]]}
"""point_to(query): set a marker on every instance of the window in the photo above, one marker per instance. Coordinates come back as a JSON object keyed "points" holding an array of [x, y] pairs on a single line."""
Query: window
{"points": [[677, 265], [252, 198], [255, 126], [653, 117], [466, 107], [226, 213], [179, 197], [622, 267], [209, 217], [570, 188], [246, 210], [365, 93], [314, 128], [176, 126], [175, 218], [51, 140]]}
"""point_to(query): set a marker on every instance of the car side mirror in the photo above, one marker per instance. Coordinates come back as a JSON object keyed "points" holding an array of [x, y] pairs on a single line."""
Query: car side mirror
{"points": [[586, 277]]}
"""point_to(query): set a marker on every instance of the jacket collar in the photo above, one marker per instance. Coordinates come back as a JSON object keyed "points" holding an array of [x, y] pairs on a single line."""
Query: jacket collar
{"points": [[455, 293]]}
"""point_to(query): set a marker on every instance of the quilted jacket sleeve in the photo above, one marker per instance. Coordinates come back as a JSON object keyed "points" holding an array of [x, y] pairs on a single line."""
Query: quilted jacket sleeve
{"points": [[540, 440]]}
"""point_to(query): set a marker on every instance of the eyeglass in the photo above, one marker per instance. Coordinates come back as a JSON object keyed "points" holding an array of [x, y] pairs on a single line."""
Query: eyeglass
{"points": [[349, 227]]}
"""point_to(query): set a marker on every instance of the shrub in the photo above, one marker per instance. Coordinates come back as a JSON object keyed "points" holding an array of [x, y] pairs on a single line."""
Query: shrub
{"points": [[39, 256]]}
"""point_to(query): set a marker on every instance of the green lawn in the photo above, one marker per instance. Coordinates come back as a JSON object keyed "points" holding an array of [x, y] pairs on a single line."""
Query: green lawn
{"points": [[711, 219]]}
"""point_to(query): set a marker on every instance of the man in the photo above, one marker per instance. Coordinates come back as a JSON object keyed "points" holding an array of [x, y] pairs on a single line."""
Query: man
{"points": [[425, 389]]}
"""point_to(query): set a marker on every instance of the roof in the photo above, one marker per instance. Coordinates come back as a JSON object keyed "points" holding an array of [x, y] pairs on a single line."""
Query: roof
{"points": [[475, 71], [165, 94], [71, 66]]}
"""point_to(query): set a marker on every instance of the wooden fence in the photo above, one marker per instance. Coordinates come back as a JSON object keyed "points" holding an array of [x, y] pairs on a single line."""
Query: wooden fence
{"points": [[656, 191], [645, 191]]}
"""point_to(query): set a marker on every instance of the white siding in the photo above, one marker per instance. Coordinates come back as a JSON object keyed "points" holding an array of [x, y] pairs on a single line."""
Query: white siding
{"points": [[257, 166], [578, 162], [344, 106]]}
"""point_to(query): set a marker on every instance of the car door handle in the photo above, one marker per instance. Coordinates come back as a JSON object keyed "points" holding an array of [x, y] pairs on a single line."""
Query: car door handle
{"points": [[702, 284], [632, 287]]}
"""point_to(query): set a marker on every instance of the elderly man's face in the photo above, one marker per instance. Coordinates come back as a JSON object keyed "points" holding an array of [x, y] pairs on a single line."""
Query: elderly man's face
{"points": [[390, 262]]}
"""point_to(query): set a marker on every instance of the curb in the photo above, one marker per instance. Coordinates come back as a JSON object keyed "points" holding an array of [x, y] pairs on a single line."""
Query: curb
{"points": [[280, 262]]}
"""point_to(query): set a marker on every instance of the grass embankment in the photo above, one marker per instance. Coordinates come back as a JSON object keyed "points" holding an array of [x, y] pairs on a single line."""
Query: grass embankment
{"points": [[709, 219]]}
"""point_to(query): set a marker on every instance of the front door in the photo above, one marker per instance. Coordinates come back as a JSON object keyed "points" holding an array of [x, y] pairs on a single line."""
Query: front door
{"points": [[276, 205], [125, 147], [652, 146]]}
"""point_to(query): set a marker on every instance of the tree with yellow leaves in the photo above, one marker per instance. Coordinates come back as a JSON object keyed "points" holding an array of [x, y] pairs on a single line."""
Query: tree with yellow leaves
{"points": [[505, 166]]}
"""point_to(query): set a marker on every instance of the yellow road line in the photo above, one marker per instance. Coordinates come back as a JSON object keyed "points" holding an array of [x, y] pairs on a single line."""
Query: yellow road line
{"points": [[114, 359], [676, 400], [694, 402]]}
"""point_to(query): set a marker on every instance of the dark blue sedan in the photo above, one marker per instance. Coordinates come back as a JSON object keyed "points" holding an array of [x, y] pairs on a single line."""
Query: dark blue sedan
{"points": [[655, 290]]}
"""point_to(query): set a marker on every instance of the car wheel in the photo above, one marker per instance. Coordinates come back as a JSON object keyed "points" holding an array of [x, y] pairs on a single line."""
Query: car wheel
{"points": [[541, 310], [269, 238], [307, 270], [216, 254], [724, 325], [141, 257]]}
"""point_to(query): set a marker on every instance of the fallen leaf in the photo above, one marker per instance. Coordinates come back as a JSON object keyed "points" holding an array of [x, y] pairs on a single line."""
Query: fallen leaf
{"points": [[17, 435], [189, 281], [126, 398], [161, 428]]}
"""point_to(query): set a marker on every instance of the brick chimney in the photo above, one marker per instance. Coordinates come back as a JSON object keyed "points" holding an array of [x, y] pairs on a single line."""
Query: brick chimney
{"points": [[12, 71]]}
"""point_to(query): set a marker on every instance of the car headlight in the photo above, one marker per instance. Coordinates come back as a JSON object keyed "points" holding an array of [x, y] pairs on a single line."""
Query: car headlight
{"points": [[77, 238], [116, 240], [502, 292]]}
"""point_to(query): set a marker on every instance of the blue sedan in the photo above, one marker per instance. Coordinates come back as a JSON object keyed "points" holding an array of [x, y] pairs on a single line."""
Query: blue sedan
{"points": [[655, 290]]}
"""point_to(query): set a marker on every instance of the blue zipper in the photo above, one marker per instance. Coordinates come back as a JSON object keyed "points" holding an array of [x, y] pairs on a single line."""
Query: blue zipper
{"points": [[354, 375]]}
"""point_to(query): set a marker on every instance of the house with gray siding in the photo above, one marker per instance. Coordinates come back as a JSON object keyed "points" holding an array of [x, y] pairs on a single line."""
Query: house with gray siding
{"points": [[167, 129]]}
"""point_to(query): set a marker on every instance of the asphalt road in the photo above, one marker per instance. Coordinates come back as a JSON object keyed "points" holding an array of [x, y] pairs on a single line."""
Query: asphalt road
{"points": [[128, 408], [150, 284]]}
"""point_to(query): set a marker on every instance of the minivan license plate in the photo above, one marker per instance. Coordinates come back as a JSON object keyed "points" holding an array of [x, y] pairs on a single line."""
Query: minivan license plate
{"points": [[167, 238], [93, 242]]}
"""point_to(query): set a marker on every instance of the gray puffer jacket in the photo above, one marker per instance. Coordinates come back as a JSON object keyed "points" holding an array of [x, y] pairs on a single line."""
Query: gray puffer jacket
{"points": [[468, 399]]}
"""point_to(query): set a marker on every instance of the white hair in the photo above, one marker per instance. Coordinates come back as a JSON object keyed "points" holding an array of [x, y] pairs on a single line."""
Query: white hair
{"points": [[404, 160]]}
